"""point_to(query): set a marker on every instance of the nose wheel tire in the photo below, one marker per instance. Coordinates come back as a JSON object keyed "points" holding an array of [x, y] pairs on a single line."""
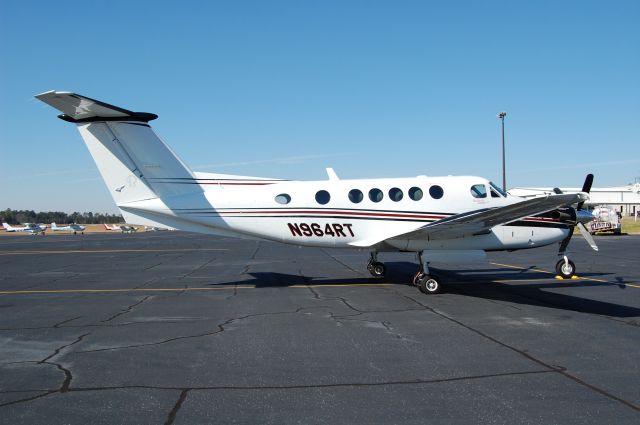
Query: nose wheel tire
{"points": [[566, 270], [377, 269], [429, 284]]}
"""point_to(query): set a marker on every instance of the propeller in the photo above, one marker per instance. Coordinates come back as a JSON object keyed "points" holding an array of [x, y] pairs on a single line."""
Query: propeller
{"points": [[586, 188], [581, 217]]}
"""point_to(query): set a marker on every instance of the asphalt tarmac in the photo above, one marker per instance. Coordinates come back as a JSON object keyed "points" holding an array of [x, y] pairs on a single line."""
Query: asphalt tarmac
{"points": [[171, 327]]}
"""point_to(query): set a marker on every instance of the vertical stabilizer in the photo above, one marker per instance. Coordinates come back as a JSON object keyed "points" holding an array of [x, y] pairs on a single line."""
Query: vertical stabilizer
{"points": [[133, 161]]}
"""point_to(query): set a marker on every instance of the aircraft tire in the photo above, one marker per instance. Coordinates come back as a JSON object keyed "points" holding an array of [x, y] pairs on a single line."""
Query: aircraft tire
{"points": [[565, 272], [429, 284], [377, 269]]}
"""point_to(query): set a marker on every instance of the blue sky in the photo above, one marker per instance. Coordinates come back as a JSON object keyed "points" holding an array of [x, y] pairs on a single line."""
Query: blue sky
{"points": [[286, 88]]}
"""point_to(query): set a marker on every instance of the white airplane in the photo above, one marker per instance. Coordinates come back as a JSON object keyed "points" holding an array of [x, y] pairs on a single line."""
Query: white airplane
{"points": [[441, 219], [128, 229], [75, 228], [34, 229], [111, 226]]}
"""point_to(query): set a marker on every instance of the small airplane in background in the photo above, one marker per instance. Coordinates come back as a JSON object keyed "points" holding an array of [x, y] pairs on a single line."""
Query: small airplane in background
{"points": [[120, 227], [128, 229], [449, 219], [34, 229], [154, 229], [75, 228]]}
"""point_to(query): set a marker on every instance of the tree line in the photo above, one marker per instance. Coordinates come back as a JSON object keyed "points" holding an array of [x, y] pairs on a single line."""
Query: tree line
{"points": [[29, 216]]}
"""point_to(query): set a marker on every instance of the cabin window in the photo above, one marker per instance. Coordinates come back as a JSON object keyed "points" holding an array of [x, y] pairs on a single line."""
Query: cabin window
{"points": [[323, 197], [283, 199], [395, 194], [494, 194], [497, 189], [436, 191], [376, 195], [415, 193], [356, 196], [479, 191]]}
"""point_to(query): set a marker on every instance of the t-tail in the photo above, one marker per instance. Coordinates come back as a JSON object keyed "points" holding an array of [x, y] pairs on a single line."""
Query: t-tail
{"points": [[136, 165]]}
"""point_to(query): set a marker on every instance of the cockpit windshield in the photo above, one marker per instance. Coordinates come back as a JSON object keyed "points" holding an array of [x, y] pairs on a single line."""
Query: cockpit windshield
{"points": [[497, 189]]}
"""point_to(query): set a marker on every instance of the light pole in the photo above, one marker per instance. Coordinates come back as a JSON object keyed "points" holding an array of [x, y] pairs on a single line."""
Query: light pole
{"points": [[501, 115]]}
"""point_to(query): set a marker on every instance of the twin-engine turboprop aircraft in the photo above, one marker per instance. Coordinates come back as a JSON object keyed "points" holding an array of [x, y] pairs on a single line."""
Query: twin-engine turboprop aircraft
{"points": [[442, 219]]}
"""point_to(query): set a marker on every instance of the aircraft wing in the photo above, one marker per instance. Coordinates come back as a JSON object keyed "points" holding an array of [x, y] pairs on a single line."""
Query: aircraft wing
{"points": [[481, 221]]}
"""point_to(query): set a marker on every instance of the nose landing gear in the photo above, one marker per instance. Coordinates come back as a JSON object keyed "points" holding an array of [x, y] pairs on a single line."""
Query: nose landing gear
{"points": [[565, 268]]}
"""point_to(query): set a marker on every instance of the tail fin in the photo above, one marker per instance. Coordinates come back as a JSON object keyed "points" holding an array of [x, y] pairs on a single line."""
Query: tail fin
{"points": [[133, 161], [6, 226], [54, 226]]}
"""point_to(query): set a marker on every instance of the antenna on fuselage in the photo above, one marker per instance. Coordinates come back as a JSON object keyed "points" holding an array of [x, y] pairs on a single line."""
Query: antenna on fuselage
{"points": [[332, 174]]}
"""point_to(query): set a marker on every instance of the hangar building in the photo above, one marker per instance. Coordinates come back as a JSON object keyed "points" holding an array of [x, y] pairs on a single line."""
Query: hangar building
{"points": [[625, 199]]}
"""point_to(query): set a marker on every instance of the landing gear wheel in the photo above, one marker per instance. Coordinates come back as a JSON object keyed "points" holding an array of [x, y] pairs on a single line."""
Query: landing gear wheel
{"points": [[429, 284], [377, 269], [566, 270], [417, 277]]}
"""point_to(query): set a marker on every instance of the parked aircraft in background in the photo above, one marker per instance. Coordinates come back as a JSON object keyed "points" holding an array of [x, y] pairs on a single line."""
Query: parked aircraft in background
{"points": [[128, 229], [441, 219], [154, 229], [75, 228], [111, 226], [34, 229]]}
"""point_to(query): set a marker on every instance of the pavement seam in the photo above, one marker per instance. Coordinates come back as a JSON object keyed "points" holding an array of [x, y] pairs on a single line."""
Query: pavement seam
{"points": [[560, 370]]}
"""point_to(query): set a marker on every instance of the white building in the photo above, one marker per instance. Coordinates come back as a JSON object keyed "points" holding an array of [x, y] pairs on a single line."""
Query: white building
{"points": [[625, 199]]}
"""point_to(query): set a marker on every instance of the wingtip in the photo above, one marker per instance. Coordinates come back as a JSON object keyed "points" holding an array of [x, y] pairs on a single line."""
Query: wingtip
{"points": [[51, 93]]}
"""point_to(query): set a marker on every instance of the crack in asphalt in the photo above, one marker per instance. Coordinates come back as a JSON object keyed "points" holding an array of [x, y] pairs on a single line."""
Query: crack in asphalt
{"points": [[348, 267], [184, 391], [172, 414], [221, 328], [560, 370], [64, 387], [57, 325], [206, 263], [127, 310], [57, 350]]}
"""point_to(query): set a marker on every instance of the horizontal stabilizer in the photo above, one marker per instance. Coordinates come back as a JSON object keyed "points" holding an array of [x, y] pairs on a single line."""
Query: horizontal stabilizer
{"points": [[76, 108]]}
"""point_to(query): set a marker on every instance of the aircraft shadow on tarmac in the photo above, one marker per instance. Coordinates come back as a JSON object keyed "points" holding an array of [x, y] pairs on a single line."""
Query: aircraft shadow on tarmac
{"points": [[525, 287]]}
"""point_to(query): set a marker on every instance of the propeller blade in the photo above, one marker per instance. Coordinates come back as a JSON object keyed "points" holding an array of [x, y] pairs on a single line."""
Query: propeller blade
{"points": [[586, 188], [587, 236]]}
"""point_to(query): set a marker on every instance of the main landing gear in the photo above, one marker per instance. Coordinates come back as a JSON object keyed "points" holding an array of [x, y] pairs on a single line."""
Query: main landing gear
{"points": [[375, 267], [427, 283]]}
